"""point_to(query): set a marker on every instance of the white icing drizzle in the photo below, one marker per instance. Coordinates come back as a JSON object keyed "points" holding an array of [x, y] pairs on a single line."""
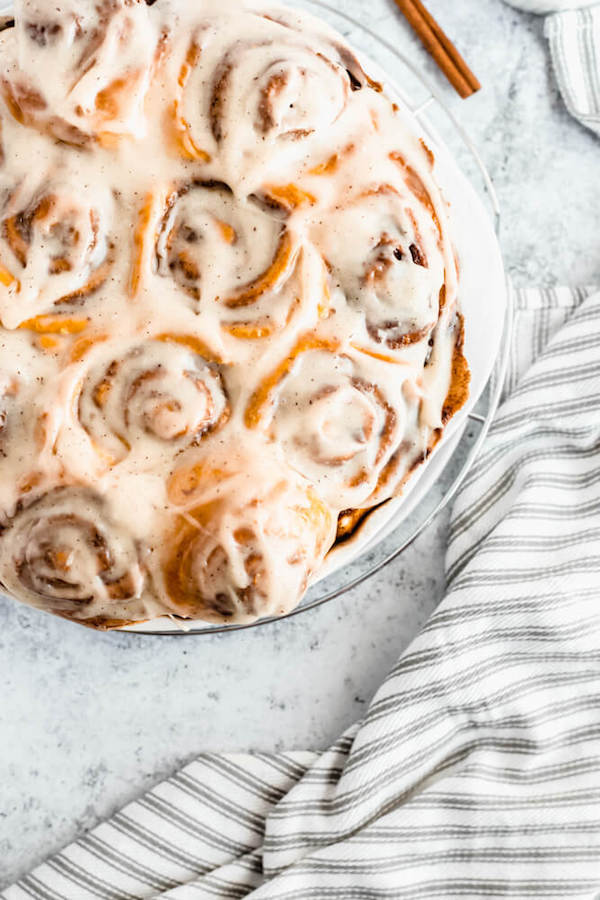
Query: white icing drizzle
{"points": [[228, 299]]}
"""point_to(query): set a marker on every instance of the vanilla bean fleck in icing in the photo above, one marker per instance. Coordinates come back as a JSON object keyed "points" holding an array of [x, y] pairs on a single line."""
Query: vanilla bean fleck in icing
{"points": [[228, 301]]}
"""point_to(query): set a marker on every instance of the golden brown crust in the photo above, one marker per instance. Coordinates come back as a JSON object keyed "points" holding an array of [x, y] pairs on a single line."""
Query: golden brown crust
{"points": [[461, 376], [350, 522]]}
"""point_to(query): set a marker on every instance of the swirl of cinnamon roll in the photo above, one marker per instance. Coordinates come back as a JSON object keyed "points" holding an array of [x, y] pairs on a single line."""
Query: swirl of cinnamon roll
{"points": [[217, 249], [65, 554], [56, 249], [256, 90], [150, 396], [336, 424], [392, 271], [101, 56], [249, 541]]}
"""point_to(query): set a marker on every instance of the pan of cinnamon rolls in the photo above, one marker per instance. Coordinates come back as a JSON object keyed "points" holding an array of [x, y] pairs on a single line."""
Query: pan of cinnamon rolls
{"points": [[230, 306]]}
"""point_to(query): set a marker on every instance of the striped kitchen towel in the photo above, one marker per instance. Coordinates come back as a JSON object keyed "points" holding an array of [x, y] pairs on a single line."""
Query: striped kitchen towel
{"points": [[574, 37], [476, 771]]}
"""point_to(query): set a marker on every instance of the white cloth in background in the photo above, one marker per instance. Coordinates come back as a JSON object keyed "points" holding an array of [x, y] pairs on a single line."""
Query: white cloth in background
{"points": [[548, 6], [476, 771], [574, 36]]}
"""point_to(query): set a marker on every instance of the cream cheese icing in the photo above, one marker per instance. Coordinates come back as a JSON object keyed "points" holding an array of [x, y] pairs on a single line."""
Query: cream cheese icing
{"points": [[229, 306]]}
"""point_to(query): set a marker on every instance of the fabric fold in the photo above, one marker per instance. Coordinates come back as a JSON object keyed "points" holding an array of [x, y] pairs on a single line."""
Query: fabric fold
{"points": [[574, 37]]}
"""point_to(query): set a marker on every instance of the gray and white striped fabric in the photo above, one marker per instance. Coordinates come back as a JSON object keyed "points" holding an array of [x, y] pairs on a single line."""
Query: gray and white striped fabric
{"points": [[574, 37], [476, 772]]}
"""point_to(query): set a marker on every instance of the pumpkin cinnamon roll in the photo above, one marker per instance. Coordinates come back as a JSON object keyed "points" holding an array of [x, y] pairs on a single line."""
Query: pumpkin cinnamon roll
{"points": [[249, 536], [236, 260], [259, 89], [152, 397], [64, 553], [80, 71], [332, 416], [56, 249], [394, 269]]}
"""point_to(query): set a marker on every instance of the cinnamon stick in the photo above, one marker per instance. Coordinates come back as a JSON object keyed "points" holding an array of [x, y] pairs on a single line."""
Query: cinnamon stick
{"points": [[439, 45]]}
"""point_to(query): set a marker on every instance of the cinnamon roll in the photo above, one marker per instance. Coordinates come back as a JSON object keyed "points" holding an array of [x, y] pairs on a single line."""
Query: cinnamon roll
{"points": [[257, 91], [80, 71], [230, 315], [216, 249], [335, 422], [394, 269], [242, 265], [63, 553], [56, 248], [246, 541], [148, 396]]}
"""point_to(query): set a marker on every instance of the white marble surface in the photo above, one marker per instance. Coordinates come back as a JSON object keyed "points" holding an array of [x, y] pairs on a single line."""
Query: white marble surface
{"points": [[87, 721]]}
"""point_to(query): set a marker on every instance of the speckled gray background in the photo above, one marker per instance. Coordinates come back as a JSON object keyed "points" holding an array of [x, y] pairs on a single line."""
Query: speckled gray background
{"points": [[88, 721]]}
